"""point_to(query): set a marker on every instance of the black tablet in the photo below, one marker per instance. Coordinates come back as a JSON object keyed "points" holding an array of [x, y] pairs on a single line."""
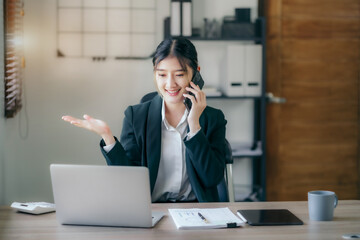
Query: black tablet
{"points": [[269, 217]]}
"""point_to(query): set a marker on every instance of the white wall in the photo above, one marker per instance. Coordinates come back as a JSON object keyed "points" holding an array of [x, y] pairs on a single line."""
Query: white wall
{"points": [[57, 86]]}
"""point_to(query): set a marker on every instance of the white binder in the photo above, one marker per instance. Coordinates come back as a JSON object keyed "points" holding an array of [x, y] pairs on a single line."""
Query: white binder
{"points": [[175, 21], [233, 82], [253, 70], [243, 71], [186, 18]]}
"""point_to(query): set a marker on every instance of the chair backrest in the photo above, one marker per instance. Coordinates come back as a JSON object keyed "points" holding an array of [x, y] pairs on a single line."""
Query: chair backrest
{"points": [[148, 97], [225, 187]]}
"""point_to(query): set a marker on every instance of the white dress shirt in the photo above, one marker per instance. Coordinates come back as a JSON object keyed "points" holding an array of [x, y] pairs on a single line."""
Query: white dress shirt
{"points": [[172, 182]]}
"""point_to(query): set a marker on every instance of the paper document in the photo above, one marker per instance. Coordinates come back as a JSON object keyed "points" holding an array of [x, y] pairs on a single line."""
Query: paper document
{"points": [[200, 218]]}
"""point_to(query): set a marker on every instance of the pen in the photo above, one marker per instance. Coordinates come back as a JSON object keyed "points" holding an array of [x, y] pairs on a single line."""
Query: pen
{"points": [[202, 217]]}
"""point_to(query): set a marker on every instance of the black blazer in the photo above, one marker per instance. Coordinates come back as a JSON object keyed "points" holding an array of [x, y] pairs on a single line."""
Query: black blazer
{"points": [[141, 146]]}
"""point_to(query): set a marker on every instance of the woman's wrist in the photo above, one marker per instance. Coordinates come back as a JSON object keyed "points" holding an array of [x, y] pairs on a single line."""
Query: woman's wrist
{"points": [[194, 128], [108, 139], [190, 135]]}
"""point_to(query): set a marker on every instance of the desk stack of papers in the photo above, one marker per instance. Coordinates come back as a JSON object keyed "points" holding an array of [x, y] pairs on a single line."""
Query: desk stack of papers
{"points": [[202, 218]]}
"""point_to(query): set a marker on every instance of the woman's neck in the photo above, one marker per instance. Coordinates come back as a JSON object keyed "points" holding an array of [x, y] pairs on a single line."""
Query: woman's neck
{"points": [[174, 113]]}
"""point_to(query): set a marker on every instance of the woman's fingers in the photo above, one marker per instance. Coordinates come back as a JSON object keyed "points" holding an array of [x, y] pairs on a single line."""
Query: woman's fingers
{"points": [[195, 89], [67, 118], [191, 97], [76, 121], [198, 99], [95, 125], [194, 86], [87, 117], [70, 119]]}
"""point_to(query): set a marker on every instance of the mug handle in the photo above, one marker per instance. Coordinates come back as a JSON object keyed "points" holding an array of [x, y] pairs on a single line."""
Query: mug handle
{"points": [[336, 201]]}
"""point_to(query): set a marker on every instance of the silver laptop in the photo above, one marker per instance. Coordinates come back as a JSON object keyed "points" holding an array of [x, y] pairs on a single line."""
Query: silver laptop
{"points": [[103, 195]]}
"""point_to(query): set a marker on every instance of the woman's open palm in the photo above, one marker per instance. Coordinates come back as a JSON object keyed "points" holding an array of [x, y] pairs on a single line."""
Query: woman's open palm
{"points": [[95, 125]]}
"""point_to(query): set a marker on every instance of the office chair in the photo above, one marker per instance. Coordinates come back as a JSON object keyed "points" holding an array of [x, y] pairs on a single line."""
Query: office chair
{"points": [[148, 97], [226, 186]]}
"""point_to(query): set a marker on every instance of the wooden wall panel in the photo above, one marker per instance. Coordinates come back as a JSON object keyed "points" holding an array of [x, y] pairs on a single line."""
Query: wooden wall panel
{"points": [[321, 8], [312, 133], [327, 50], [273, 167], [323, 153], [314, 62], [300, 190], [319, 91], [319, 81], [308, 174], [321, 112], [321, 28], [273, 29], [274, 86], [321, 71], [273, 67], [273, 9]]}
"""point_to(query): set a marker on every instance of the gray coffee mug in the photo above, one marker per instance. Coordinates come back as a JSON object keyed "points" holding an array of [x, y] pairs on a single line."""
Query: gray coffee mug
{"points": [[321, 205]]}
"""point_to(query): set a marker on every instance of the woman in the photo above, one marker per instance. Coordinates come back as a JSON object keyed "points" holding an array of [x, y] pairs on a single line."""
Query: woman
{"points": [[184, 150]]}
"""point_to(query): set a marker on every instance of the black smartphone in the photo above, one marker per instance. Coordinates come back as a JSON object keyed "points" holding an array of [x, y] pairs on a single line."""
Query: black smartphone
{"points": [[197, 80]]}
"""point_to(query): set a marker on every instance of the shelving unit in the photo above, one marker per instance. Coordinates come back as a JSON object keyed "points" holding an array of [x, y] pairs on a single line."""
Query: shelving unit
{"points": [[259, 159], [257, 39]]}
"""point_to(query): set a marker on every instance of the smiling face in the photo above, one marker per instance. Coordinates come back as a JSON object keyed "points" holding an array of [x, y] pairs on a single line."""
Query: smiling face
{"points": [[172, 79]]}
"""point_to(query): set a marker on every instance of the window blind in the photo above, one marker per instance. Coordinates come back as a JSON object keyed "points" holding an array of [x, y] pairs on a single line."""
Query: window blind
{"points": [[14, 59]]}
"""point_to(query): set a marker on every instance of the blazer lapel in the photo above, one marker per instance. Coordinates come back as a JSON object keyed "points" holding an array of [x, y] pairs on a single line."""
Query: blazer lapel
{"points": [[153, 138]]}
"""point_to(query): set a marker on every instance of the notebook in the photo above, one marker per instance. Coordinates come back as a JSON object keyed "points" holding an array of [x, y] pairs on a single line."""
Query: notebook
{"points": [[202, 218], [103, 195], [269, 217]]}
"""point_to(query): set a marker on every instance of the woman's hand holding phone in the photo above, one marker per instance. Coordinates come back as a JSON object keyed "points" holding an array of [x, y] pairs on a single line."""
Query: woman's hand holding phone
{"points": [[95, 125], [198, 105]]}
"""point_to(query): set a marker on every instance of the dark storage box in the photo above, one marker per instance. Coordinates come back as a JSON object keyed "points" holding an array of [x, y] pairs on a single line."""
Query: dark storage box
{"points": [[242, 15], [238, 30]]}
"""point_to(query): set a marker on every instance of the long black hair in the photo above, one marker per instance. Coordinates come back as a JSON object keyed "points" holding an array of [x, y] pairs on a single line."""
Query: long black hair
{"points": [[179, 47]]}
